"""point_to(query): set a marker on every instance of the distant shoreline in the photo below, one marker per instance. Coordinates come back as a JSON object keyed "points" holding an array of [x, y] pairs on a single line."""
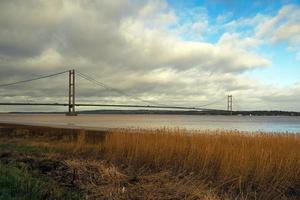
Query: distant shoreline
{"points": [[175, 112]]}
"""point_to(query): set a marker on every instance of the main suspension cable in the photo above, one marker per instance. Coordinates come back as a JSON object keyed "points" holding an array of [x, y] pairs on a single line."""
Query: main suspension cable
{"points": [[33, 79]]}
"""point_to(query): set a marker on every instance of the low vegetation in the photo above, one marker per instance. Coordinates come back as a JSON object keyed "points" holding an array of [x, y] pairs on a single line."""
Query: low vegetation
{"points": [[166, 163], [20, 182]]}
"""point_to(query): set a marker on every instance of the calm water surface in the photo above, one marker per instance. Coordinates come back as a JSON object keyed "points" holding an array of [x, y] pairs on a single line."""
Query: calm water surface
{"points": [[191, 122]]}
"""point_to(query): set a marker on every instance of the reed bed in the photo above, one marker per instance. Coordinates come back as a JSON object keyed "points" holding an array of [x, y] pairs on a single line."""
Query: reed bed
{"points": [[249, 165], [267, 165]]}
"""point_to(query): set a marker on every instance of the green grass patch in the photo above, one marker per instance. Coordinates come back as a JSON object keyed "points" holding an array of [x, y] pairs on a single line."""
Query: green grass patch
{"points": [[18, 183], [23, 148]]}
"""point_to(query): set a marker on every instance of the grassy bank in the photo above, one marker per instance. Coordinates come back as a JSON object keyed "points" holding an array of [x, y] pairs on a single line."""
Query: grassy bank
{"points": [[185, 165], [20, 182]]}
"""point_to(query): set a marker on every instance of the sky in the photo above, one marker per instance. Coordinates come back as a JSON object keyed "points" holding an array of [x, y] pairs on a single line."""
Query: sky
{"points": [[173, 52]]}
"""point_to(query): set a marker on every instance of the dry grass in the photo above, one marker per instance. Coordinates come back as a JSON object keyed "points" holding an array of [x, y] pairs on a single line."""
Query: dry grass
{"points": [[262, 165], [241, 165]]}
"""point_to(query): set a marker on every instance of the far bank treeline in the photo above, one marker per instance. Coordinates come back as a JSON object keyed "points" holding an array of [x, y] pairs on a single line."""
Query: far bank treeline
{"points": [[188, 112], [193, 112]]}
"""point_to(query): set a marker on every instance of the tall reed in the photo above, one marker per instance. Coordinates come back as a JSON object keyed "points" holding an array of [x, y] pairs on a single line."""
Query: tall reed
{"points": [[266, 164]]}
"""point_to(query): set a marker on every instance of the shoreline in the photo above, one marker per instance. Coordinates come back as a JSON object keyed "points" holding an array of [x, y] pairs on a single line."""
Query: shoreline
{"points": [[51, 126]]}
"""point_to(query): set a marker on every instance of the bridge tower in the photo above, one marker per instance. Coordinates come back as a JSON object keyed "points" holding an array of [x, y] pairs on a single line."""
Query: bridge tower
{"points": [[71, 104], [229, 104]]}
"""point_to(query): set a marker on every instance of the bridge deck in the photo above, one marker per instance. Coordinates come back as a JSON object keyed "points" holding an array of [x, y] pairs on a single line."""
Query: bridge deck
{"points": [[108, 105]]}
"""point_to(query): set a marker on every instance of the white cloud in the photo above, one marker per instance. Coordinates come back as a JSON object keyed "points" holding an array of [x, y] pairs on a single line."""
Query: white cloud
{"points": [[288, 32], [283, 27], [170, 50], [286, 15], [223, 18], [246, 24], [234, 40]]}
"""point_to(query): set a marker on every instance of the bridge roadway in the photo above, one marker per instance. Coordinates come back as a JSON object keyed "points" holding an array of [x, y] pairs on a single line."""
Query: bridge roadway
{"points": [[109, 105]]}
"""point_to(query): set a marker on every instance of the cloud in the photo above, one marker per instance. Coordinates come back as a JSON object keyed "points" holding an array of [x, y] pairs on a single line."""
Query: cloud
{"points": [[234, 40], [244, 25], [288, 32], [223, 18], [134, 46], [283, 27], [193, 23]]}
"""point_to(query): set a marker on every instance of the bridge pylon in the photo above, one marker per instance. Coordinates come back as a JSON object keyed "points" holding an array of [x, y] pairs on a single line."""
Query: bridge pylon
{"points": [[229, 104], [71, 104]]}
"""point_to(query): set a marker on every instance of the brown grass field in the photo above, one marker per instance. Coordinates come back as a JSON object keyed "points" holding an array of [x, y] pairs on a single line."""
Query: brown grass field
{"points": [[164, 163]]}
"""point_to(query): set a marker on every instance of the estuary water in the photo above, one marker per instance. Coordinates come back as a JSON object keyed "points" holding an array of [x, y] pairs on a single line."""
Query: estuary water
{"points": [[190, 122]]}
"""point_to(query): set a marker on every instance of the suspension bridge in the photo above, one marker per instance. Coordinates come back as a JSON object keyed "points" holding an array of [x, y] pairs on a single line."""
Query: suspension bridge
{"points": [[72, 104]]}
